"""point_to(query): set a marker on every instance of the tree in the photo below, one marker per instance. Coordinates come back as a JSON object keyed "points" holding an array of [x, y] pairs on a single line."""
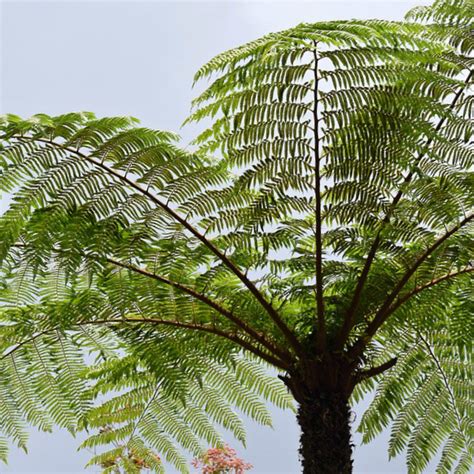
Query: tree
{"points": [[324, 226]]}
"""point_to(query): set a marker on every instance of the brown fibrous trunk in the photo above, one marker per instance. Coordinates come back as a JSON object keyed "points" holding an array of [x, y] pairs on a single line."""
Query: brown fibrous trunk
{"points": [[325, 442], [322, 389]]}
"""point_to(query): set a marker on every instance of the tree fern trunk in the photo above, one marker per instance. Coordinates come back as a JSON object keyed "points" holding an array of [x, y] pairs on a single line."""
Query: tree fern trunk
{"points": [[325, 443]]}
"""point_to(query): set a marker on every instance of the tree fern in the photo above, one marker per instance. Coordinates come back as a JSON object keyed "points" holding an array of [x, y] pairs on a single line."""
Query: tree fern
{"points": [[323, 225]]}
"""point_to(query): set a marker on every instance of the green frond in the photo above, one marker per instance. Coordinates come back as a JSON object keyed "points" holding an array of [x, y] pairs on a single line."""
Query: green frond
{"points": [[425, 400]]}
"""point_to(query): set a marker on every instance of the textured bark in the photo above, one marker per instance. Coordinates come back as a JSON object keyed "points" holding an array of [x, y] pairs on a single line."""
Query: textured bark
{"points": [[325, 443], [322, 387]]}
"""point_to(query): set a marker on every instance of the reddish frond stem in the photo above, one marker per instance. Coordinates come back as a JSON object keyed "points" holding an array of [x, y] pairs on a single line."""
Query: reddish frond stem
{"points": [[400, 301], [321, 332], [232, 337], [220, 309], [373, 371], [383, 313], [349, 320]]}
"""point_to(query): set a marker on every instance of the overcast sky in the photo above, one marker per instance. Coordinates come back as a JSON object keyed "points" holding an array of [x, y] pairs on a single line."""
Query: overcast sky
{"points": [[138, 58]]}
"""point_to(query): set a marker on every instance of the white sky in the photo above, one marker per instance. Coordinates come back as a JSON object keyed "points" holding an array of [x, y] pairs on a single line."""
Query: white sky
{"points": [[117, 57]]}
